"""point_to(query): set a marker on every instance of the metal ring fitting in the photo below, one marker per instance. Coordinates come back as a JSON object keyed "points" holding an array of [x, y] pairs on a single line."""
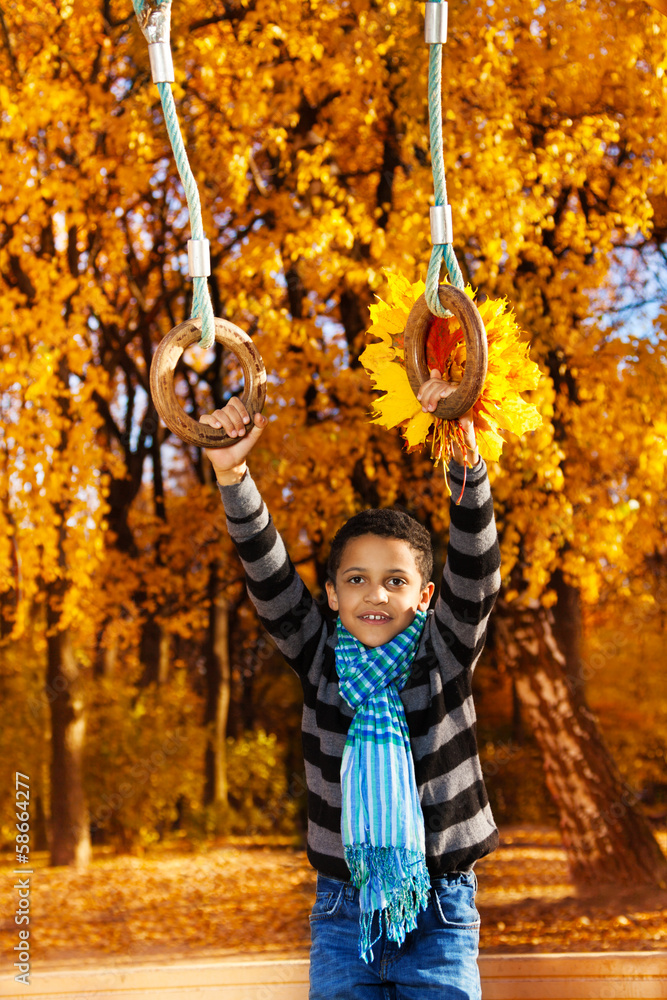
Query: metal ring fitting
{"points": [[163, 392], [416, 332], [442, 230], [199, 258], [162, 65], [435, 23]]}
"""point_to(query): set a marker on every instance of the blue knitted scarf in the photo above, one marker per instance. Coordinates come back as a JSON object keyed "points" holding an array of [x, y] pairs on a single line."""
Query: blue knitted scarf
{"points": [[382, 823]]}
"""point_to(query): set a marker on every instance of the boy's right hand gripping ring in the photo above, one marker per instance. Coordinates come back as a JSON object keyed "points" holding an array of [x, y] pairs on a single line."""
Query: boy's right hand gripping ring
{"points": [[164, 364], [416, 331]]}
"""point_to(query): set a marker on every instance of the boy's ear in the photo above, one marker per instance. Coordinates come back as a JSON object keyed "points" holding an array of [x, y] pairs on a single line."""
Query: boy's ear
{"points": [[331, 594], [426, 595]]}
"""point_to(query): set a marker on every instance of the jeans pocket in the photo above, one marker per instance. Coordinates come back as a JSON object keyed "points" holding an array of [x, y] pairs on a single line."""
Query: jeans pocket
{"points": [[454, 903], [327, 903]]}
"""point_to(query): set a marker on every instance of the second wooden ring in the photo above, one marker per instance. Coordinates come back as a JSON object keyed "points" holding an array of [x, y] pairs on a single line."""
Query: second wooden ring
{"points": [[474, 334], [163, 392]]}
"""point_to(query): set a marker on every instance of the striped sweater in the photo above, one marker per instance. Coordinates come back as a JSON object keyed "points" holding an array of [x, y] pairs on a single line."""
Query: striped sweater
{"points": [[438, 702]]}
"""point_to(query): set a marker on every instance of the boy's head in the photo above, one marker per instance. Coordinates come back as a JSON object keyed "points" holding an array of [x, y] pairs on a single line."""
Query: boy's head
{"points": [[379, 571]]}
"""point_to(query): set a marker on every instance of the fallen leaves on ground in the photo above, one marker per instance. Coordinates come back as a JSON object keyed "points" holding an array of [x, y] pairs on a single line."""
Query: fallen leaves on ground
{"points": [[241, 898], [529, 904]]}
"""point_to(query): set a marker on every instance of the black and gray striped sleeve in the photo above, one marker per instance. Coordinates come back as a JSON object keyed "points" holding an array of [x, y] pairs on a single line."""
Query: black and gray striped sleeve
{"points": [[471, 576], [284, 604]]}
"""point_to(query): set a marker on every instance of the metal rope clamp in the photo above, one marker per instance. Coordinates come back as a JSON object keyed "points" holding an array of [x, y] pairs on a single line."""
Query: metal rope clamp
{"points": [[154, 18], [155, 21]]}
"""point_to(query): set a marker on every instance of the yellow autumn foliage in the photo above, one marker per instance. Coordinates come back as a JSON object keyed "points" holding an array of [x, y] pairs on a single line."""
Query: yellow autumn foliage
{"points": [[306, 128], [509, 372]]}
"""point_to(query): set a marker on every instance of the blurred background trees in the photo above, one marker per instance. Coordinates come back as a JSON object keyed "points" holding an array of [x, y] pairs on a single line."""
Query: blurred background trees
{"points": [[129, 647]]}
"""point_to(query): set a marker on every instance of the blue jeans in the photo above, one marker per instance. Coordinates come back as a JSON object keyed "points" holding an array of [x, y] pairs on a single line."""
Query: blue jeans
{"points": [[438, 959]]}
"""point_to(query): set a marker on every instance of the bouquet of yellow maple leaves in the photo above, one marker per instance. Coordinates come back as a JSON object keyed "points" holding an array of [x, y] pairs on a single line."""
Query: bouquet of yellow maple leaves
{"points": [[500, 407]]}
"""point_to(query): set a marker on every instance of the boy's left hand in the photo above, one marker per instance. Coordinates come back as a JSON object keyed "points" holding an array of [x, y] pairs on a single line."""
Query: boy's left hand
{"points": [[430, 394]]}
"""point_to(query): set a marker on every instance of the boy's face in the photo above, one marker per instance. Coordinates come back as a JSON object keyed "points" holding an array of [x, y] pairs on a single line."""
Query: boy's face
{"points": [[378, 588]]}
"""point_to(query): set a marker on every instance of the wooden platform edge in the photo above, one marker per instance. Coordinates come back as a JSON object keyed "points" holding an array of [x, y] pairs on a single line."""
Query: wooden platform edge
{"points": [[570, 976]]}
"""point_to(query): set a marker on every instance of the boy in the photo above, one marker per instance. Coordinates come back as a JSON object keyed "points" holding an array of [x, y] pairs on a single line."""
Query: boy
{"points": [[397, 809]]}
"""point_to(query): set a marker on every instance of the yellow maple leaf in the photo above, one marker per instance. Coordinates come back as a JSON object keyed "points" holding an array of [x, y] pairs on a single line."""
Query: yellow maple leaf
{"points": [[500, 407]]}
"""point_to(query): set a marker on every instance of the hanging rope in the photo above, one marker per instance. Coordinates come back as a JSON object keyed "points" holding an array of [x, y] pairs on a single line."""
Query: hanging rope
{"points": [[441, 216], [154, 17]]}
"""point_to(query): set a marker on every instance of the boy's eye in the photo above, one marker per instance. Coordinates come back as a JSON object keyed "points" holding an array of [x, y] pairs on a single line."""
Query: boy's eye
{"points": [[354, 579], [397, 581]]}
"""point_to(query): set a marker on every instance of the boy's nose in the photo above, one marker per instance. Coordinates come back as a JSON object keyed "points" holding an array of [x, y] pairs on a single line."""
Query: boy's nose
{"points": [[377, 595]]}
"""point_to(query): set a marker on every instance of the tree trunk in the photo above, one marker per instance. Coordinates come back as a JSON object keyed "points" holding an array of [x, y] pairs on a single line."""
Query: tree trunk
{"points": [[218, 686], [606, 838], [70, 822], [569, 628], [70, 832], [154, 654], [40, 822], [154, 645], [39, 828], [106, 656], [518, 735]]}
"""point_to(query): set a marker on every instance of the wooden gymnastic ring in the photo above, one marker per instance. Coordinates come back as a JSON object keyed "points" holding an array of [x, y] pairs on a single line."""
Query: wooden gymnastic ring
{"points": [[164, 364], [416, 331]]}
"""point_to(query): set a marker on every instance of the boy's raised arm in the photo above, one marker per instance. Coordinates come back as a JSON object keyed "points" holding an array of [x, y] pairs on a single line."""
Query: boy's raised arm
{"points": [[471, 576], [284, 605]]}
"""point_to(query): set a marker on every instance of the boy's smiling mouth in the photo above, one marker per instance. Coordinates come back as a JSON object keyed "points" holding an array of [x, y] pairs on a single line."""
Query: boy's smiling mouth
{"points": [[374, 618]]}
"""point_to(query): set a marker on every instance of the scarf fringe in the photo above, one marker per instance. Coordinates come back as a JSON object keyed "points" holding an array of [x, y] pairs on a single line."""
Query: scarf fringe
{"points": [[398, 875]]}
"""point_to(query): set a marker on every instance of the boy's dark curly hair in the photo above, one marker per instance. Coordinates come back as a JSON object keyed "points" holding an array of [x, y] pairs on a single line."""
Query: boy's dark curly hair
{"points": [[385, 523]]}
